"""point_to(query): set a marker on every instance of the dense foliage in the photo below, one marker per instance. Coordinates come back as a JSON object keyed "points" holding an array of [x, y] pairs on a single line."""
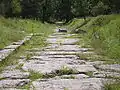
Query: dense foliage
{"points": [[52, 10]]}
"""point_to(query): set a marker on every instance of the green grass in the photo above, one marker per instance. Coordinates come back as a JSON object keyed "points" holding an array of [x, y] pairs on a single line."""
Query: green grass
{"points": [[103, 34], [14, 29], [35, 42], [114, 86]]}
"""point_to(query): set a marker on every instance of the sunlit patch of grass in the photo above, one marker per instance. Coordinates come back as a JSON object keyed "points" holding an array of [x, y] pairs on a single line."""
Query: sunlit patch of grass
{"points": [[65, 71], [113, 86], [36, 41], [35, 75]]}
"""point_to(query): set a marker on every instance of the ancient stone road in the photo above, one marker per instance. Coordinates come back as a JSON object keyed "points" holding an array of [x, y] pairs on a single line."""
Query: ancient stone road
{"points": [[60, 54]]}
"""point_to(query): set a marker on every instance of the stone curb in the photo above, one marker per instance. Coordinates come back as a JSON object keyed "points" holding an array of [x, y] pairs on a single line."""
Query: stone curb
{"points": [[5, 52]]}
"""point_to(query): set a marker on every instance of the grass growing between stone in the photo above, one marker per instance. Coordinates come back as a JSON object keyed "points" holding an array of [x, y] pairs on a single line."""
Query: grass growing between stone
{"points": [[35, 42], [14, 29], [114, 86]]}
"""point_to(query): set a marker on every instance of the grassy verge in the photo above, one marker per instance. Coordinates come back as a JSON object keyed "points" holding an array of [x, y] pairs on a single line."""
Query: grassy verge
{"points": [[35, 42], [101, 32], [114, 86], [14, 29]]}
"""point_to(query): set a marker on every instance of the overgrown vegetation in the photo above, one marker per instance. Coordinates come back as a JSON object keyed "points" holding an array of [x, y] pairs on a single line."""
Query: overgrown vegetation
{"points": [[12, 30], [102, 33], [36, 41], [114, 86]]}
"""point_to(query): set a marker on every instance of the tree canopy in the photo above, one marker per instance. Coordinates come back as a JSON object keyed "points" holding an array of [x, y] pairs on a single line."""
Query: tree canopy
{"points": [[54, 10]]}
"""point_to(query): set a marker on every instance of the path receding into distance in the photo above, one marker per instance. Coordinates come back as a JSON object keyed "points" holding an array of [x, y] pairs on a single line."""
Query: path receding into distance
{"points": [[60, 60]]}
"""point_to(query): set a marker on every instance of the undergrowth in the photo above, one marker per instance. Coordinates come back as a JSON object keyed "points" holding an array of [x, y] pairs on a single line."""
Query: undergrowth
{"points": [[102, 33]]}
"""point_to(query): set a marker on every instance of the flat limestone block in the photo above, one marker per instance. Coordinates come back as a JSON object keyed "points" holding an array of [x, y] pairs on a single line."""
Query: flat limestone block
{"points": [[49, 66], [58, 53], [62, 41], [54, 57], [5, 52], [69, 84], [9, 83], [83, 68], [74, 76], [112, 67], [105, 74], [14, 74], [11, 89], [12, 47]]}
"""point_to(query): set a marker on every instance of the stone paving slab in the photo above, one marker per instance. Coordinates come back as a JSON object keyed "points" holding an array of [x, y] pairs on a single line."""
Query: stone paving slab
{"points": [[62, 41], [5, 53], [112, 67], [83, 68], [106, 74], [14, 74], [48, 66], [11, 89], [9, 49], [54, 57], [12, 47], [13, 83], [58, 53], [71, 84], [72, 76]]}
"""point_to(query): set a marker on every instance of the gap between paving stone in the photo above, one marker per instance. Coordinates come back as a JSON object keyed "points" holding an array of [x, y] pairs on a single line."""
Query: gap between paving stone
{"points": [[15, 45], [60, 54]]}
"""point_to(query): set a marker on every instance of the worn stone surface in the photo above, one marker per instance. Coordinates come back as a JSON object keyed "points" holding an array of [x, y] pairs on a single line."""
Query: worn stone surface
{"points": [[106, 74], [5, 53], [60, 55], [11, 89], [51, 57], [11, 83], [9, 49], [62, 41], [83, 68], [12, 47], [112, 67], [72, 76], [69, 84], [14, 74], [51, 65]]}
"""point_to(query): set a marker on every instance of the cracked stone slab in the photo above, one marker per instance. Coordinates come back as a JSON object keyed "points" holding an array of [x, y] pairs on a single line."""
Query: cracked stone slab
{"points": [[105, 74], [112, 67], [8, 83], [95, 63], [52, 46], [49, 66], [11, 89], [72, 76], [69, 48], [20, 42], [83, 68], [57, 53], [14, 74], [62, 41], [12, 47], [54, 57], [69, 84], [5, 53]]}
